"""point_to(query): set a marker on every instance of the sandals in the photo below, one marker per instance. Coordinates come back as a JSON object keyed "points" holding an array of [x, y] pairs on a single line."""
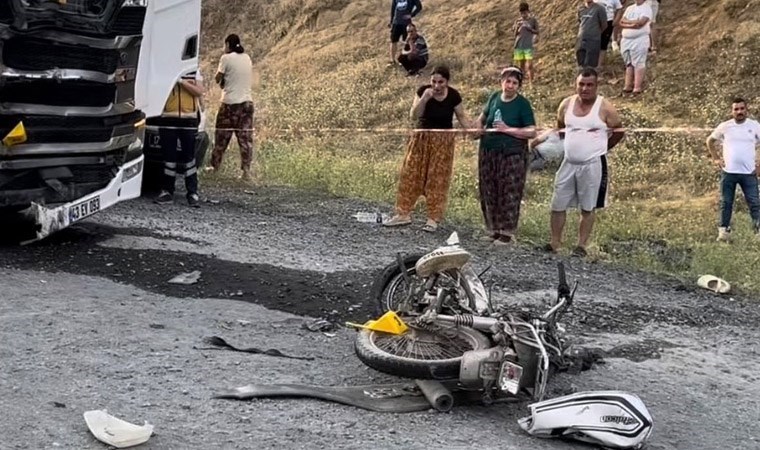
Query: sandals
{"points": [[430, 226], [580, 252]]}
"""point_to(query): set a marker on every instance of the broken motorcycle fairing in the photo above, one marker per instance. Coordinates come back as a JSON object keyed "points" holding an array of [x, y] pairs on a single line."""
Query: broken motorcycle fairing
{"points": [[613, 419]]}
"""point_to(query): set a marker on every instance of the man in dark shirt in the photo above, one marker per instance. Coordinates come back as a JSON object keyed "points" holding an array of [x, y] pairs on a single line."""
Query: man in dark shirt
{"points": [[592, 21], [402, 12], [414, 56]]}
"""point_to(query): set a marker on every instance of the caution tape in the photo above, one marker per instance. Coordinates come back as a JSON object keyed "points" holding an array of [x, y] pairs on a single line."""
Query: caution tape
{"points": [[294, 130]]}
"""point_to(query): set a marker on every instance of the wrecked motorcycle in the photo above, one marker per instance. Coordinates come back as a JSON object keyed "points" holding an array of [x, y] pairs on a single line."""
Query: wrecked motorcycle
{"points": [[453, 332]]}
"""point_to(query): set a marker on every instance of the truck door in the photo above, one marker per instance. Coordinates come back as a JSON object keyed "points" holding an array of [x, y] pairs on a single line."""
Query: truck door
{"points": [[171, 38]]}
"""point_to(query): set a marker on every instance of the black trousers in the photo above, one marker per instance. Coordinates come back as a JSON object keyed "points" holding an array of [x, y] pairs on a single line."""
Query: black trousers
{"points": [[178, 148], [412, 65]]}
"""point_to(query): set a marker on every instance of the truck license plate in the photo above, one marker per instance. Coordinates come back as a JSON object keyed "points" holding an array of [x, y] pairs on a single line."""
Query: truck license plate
{"points": [[84, 209], [509, 381]]}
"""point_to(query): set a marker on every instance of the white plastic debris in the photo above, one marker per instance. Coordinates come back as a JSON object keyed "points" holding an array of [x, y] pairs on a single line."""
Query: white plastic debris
{"points": [[611, 419], [186, 278], [116, 432]]}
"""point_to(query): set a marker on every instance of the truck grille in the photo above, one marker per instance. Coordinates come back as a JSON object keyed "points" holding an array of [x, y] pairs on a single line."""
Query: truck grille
{"points": [[87, 7], [55, 93], [6, 14], [33, 54], [57, 129], [101, 175], [129, 21]]}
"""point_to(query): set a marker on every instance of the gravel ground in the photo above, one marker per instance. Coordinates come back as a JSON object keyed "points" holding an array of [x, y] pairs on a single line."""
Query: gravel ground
{"points": [[88, 321]]}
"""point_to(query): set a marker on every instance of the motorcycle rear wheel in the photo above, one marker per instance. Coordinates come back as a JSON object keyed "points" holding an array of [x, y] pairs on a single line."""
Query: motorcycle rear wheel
{"points": [[419, 353]]}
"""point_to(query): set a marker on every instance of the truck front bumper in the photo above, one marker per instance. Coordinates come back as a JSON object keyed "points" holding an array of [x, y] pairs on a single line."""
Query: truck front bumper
{"points": [[125, 185]]}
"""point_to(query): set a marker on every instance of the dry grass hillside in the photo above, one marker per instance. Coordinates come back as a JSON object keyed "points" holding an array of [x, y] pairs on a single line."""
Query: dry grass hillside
{"points": [[322, 64]]}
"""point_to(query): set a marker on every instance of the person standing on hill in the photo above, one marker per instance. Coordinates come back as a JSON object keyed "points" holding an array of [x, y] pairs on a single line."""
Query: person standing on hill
{"points": [[402, 12], [429, 161], [526, 34], [634, 44], [738, 165], [655, 6], [591, 127], [592, 21], [414, 56], [614, 10], [235, 115]]}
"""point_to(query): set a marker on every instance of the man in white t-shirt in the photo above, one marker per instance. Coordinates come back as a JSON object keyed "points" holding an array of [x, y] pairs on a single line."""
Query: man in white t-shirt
{"points": [[634, 44], [614, 10], [738, 165]]}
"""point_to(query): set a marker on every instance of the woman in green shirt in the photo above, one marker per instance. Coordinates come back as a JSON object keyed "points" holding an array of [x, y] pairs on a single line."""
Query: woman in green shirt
{"points": [[503, 156]]}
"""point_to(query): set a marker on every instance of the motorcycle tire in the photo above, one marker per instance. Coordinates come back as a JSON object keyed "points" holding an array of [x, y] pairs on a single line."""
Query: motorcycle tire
{"points": [[442, 369], [378, 290]]}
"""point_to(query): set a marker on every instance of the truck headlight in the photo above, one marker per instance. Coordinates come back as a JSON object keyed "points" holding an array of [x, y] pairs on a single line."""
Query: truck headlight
{"points": [[131, 172]]}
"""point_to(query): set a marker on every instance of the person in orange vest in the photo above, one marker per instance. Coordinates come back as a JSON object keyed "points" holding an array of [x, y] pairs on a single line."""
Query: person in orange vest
{"points": [[178, 128]]}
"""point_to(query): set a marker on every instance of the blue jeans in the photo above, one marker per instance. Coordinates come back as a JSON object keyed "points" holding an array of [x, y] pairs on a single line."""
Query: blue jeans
{"points": [[749, 185]]}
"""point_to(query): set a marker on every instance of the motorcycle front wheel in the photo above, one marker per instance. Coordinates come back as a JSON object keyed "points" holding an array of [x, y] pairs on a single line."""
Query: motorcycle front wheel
{"points": [[419, 353]]}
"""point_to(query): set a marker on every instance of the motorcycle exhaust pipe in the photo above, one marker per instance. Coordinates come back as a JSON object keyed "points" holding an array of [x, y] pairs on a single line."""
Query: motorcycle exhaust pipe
{"points": [[436, 393]]}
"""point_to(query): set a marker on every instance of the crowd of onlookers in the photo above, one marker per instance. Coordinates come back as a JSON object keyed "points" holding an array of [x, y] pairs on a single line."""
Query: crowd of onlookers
{"points": [[588, 125]]}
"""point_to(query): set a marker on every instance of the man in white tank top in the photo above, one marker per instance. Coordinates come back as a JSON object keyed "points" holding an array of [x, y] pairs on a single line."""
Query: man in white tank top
{"points": [[586, 120]]}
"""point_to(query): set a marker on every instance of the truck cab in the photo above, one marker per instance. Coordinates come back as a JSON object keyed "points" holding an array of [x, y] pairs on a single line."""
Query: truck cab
{"points": [[78, 79]]}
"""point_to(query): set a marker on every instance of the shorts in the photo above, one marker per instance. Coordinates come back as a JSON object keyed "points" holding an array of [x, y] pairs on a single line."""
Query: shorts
{"points": [[398, 31], [606, 36], [581, 185], [523, 54], [634, 51], [587, 53], [655, 5]]}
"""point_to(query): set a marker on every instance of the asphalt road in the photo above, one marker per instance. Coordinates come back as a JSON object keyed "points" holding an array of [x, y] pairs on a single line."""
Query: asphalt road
{"points": [[88, 320]]}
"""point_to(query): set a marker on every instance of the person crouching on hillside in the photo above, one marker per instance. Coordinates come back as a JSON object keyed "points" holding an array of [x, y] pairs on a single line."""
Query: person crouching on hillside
{"points": [[429, 161], [414, 55], [402, 13]]}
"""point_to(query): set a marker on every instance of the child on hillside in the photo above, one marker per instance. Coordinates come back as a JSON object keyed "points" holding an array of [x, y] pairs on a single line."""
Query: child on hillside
{"points": [[526, 34]]}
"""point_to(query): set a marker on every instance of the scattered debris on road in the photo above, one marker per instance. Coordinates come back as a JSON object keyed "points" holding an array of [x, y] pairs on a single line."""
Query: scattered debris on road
{"points": [[219, 342], [318, 325], [187, 278], [116, 432]]}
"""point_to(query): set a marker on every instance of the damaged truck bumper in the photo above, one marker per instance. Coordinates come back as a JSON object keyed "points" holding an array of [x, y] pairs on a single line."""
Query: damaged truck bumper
{"points": [[124, 186]]}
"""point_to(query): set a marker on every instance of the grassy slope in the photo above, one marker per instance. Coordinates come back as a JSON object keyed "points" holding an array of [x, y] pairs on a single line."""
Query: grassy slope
{"points": [[321, 64]]}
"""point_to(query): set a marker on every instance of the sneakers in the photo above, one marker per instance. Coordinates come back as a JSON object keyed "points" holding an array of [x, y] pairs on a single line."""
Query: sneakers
{"points": [[194, 200], [164, 198], [724, 234]]}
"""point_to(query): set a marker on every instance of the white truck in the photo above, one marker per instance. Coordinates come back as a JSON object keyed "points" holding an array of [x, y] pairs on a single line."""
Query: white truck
{"points": [[78, 79]]}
